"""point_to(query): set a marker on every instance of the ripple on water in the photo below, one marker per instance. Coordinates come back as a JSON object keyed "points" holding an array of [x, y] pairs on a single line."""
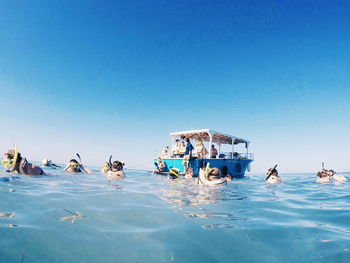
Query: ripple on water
{"points": [[148, 218]]}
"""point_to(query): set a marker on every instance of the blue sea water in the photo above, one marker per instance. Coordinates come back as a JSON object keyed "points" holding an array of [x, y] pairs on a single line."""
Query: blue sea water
{"points": [[147, 218]]}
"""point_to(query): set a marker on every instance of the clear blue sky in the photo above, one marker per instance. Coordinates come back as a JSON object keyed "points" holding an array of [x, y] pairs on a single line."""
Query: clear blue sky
{"points": [[115, 77]]}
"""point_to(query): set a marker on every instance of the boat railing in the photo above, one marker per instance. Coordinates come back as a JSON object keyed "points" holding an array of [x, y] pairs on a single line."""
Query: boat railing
{"points": [[222, 155], [236, 155]]}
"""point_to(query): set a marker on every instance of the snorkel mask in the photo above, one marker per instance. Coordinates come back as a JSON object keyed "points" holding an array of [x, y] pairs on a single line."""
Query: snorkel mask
{"points": [[74, 165], [10, 158], [7, 163]]}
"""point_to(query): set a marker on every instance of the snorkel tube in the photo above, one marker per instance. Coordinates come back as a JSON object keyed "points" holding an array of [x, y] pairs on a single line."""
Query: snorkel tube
{"points": [[15, 157], [110, 162], [79, 158], [207, 169], [82, 168], [10, 163]]}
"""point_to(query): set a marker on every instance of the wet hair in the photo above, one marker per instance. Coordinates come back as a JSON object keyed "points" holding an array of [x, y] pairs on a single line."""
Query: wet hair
{"points": [[73, 161], [187, 140], [11, 154], [322, 174], [215, 172]]}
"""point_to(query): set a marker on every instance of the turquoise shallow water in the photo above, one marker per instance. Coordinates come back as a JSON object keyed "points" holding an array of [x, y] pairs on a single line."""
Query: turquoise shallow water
{"points": [[147, 218]]}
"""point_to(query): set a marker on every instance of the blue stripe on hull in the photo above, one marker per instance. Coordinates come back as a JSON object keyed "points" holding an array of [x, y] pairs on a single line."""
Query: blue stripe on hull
{"points": [[235, 167]]}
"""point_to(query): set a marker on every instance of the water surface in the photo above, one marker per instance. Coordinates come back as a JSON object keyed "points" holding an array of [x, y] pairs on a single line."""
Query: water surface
{"points": [[147, 218]]}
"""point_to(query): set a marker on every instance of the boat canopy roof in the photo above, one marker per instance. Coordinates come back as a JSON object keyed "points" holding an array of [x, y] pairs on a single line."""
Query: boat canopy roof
{"points": [[207, 134]]}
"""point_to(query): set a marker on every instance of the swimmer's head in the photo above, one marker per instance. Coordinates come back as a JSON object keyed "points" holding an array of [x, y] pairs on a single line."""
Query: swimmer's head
{"points": [[174, 173], [117, 166], [46, 162], [322, 174], [189, 171], [74, 165], [8, 161], [229, 177], [9, 154]]}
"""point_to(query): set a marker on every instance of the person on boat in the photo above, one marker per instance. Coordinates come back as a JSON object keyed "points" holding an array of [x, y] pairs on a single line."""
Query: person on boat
{"points": [[48, 163], [188, 153], [213, 152], [15, 163], [116, 171], [176, 148], [161, 167], [182, 149], [105, 168], [272, 176], [200, 149], [75, 167], [165, 152], [189, 148]]}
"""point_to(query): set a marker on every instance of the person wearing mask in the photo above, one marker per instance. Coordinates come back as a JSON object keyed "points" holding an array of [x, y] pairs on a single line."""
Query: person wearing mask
{"points": [[15, 163], [75, 167]]}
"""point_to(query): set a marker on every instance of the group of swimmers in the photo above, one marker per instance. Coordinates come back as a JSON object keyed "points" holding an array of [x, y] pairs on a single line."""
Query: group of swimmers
{"points": [[210, 174], [327, 176], [323, 177], [15, 163], [184, 149], [214, 174]]}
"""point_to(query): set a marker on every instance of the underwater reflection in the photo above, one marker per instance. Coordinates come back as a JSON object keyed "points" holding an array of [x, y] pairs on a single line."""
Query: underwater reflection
{"points": [[185, 192], [187, 197]]}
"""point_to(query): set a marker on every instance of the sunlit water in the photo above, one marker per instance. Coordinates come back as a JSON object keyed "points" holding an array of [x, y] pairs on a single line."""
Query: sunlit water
{"points": [[147, 218]]}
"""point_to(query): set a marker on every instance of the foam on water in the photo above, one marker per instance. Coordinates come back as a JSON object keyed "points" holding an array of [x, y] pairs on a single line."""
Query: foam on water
{"points": [[147, 218]]}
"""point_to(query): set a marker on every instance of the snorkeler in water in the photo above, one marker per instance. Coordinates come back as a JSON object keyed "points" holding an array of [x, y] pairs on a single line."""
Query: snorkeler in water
{"points": [[15, 163], [75, 167], [116, 171]]}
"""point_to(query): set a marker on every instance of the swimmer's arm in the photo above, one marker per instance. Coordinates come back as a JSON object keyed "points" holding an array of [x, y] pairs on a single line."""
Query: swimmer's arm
{"points": [[86, 169], [66, 168], [55, 165]]}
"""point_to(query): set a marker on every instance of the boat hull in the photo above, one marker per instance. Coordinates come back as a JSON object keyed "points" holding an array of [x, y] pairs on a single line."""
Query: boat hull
{"points": [[234, 167]]}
